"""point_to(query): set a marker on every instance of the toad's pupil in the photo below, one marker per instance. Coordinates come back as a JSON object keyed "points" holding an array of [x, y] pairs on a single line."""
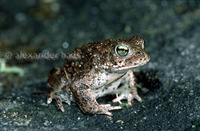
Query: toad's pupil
{"points": [[122, 50]]}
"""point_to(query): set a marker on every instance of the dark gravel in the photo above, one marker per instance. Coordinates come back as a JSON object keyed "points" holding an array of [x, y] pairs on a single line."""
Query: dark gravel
{"points": [[171, 79]]}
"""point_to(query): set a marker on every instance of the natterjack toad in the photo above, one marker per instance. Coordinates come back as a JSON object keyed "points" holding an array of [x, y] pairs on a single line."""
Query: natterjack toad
{"points": [[95, 70]]}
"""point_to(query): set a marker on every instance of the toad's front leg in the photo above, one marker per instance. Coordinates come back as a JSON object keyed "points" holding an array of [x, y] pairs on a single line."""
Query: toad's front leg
{"points": [[131, 92], [87, 102]]}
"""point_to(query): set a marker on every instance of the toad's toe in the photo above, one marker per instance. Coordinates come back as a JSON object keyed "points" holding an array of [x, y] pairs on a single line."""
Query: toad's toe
{"points": [[118, 98]]}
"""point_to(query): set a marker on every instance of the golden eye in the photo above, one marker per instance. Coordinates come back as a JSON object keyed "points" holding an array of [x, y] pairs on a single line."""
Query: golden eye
{"points": [[122, 50]]}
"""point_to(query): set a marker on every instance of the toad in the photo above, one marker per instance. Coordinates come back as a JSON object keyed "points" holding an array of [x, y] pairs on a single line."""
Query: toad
{"points": [[95, 70]]}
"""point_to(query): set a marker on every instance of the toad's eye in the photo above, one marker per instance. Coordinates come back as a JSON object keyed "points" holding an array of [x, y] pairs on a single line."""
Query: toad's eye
{"points": [[122, 50]]}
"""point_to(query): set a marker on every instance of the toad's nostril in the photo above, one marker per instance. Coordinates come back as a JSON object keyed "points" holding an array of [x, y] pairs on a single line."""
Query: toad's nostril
{"points": [[138, 53]]}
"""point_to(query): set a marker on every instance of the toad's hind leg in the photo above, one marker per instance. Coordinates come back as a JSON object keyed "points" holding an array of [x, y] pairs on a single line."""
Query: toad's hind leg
{"points": [[87, 102]]}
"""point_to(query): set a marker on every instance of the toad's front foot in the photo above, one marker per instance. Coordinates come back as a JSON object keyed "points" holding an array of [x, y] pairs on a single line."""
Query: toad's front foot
{"points": [[131, 93], [129, 97], [105, 108]]}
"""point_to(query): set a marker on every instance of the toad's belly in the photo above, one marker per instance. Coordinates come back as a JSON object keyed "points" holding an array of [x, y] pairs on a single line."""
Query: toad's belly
{"points": [[113, 85], [99, 79]]}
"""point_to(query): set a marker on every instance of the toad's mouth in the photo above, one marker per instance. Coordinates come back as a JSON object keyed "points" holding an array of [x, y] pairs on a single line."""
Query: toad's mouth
{"points": [[126, 68], [116, 69]]}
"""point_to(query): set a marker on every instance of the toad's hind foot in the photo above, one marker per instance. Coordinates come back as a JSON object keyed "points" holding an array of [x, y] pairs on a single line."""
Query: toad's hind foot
{"points": [[58, 101], [60, 105], [50, 98]]}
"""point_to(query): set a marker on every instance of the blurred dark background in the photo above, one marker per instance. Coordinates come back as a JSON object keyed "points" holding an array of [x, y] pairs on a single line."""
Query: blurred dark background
{"points": [[40, 26]]}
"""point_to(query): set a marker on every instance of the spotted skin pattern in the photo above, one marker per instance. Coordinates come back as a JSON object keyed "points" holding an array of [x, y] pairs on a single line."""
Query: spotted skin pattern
{"points": [[95, 70]]}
